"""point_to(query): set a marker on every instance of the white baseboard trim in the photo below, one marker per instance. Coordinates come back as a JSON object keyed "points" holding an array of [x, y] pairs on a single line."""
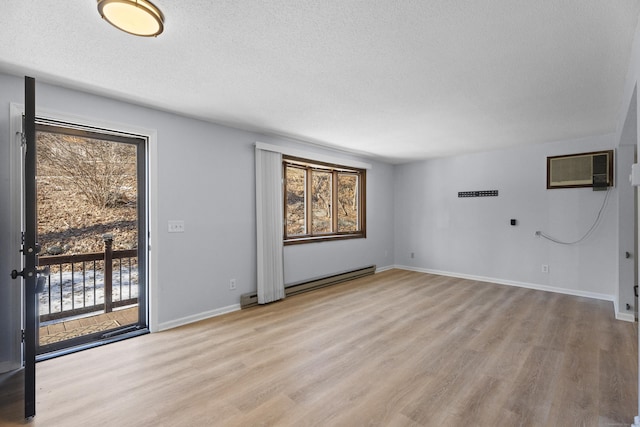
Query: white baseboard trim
{"points": [[535, 286], [381, 269], [627, 317], [199, 316]]}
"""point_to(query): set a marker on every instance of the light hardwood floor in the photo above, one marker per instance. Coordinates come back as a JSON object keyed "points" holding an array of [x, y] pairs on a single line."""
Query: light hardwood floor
{"points": [[394, 349]]}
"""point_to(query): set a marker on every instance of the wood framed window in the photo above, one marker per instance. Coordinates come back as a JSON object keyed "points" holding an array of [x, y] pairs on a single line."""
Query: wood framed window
{"points": [[322, 201]]}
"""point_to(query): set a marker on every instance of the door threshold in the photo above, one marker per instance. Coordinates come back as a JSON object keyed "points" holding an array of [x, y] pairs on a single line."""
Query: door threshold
{"points": [[111, 338]]}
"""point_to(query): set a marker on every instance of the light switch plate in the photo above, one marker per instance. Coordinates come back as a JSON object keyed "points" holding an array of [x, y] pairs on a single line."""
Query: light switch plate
{"points": [[176, 226]]}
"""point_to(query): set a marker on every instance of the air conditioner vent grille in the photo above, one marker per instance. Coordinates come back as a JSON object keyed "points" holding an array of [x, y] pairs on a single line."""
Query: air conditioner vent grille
{"points": [[581, 170]]}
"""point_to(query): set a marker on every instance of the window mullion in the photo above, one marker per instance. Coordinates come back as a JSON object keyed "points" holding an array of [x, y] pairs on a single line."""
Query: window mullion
{"points": [[362, 203], [334, 201], [309, 201]]}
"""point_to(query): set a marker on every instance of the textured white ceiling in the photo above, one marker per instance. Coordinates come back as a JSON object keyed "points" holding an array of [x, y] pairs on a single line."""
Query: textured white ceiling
{"points": [[400, 80]]}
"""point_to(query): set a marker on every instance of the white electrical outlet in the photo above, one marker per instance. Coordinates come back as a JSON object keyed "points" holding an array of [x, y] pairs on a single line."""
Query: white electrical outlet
{"points": [[232, 284], [176, 226], [545, 268]]}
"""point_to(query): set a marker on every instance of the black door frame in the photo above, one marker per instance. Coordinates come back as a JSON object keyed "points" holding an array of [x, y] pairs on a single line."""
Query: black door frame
{"points": [[29, 251], [142, 326], [30, 248]]}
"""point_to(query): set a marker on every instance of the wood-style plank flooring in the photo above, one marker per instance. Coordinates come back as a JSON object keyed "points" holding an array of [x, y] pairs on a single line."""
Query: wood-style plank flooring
{"points": [[395, 349]]}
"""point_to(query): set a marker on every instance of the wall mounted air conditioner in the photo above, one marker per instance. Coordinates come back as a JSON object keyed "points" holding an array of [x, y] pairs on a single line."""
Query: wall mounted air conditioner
{"points": [[581, 170]]}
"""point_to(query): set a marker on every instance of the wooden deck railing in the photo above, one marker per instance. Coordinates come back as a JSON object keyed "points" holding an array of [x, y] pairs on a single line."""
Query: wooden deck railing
{"points": [[83, 297]]}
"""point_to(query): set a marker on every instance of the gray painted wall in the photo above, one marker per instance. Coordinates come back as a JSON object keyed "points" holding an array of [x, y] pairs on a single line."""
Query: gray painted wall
{"points": [[9, 289], [629, 106], [205, 176], [626, 211], [473, 236]]}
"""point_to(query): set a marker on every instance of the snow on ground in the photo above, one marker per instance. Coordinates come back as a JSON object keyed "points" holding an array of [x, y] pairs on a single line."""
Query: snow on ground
{"points": [[65, 291]]}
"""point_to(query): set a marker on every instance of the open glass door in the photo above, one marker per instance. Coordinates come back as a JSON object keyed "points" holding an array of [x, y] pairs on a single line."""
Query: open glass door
{"points": [[92, 227], [115, 285], [31, 277]]}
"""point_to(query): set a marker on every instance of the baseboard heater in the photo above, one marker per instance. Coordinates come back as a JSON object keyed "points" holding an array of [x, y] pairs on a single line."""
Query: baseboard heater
{"points": [[249, 300]]}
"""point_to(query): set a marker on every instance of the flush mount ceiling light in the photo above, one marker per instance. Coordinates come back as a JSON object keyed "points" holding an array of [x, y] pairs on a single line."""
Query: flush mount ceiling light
{"points": [[137, 17]]}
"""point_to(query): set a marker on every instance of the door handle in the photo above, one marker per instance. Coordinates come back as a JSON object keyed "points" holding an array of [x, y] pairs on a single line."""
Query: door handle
{"points": [[627, 255], [41, 279], [44, 272]]}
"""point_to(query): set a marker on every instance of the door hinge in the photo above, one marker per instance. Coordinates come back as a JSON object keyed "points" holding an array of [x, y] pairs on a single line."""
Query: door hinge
{"points": [[23, 335]]}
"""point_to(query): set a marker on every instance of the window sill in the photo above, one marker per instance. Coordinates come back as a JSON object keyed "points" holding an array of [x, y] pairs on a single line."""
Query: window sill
{"points": [[315, 239]]}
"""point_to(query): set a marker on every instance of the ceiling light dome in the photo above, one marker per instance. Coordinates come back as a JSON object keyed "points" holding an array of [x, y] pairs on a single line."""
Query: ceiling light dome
{"points": [[137, 17]]}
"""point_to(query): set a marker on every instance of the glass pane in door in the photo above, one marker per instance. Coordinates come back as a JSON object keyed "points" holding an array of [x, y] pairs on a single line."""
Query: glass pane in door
{"points": [[88, 226]]}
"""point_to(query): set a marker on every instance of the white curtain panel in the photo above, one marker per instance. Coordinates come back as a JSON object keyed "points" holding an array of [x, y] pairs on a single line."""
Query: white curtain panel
{"points": [[269, 217]]}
